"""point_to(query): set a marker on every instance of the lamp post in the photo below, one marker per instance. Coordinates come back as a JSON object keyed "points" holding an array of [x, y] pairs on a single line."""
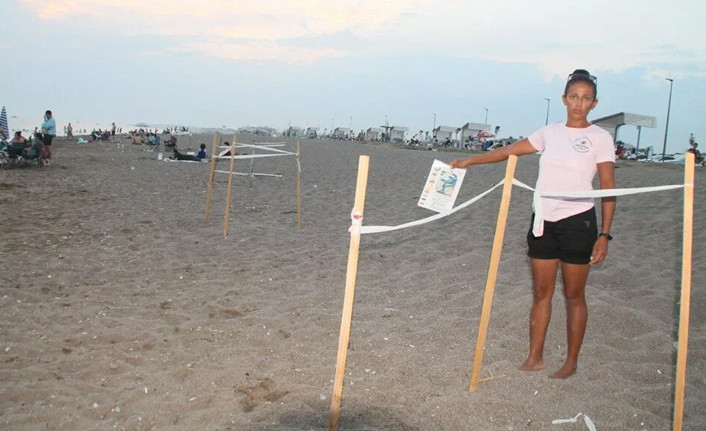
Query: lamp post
{"points": [[666, 125], [486, 115], [546, 121], [434, 125]]}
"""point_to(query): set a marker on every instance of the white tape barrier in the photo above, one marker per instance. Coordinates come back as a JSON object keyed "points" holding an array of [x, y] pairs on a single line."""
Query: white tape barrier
{"points": [[222, 155], [538, 227], [260, 147], [252, 156], [248, 174], [379, 229]]}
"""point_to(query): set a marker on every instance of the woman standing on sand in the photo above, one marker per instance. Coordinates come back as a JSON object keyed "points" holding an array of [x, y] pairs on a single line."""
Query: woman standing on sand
{"points": [[567, 236]]}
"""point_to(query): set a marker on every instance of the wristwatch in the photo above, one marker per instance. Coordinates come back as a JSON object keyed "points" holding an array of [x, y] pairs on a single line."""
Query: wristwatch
{"points": [[607, 235]]}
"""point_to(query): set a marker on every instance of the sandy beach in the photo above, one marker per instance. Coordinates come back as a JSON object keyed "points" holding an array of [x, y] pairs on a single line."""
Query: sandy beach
{"points": [[121, 308]]}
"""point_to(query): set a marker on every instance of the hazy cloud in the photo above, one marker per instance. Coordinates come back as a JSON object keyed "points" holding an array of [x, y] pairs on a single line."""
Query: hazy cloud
{"points": [[553, 35]]}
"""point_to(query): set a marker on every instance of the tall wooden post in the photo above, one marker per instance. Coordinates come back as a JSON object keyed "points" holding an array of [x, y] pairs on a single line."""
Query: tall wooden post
{"points": [[230, 183], [299, 190], [493, 271], [685, 300], [351, 273], [211, 176]]}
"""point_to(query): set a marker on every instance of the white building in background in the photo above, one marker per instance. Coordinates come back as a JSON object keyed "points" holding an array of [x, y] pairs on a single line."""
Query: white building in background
{"points": [[259, 130], [294, 132], [473, 130], [312, 132], [374, 134], [341, 133], [443, 132], [397, 133]]}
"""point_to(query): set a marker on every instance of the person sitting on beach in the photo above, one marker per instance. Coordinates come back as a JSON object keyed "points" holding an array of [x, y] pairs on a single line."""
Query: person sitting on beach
{"points": [[699, 158], [18, 138], [227, 152], [566, 237], [188, 157], [202, 152], [17, 146]]}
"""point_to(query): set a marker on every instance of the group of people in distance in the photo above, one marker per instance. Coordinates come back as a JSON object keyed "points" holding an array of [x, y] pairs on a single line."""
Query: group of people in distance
{"points": [[36, 147]]}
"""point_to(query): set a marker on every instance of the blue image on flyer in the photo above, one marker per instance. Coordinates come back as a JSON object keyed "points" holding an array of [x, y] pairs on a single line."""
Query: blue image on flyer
{"points": [[446, 183]]}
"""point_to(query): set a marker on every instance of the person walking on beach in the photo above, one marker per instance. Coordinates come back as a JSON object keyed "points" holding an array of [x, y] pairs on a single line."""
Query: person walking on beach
{"points": [[48, 132], [567, 236]]}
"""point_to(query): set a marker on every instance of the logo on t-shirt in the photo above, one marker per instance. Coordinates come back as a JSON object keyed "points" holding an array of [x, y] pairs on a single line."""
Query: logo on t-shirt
{"points": [[582, 145]]}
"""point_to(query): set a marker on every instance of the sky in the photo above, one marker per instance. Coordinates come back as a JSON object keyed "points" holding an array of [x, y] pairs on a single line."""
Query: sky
{"points": [[322, 63]]}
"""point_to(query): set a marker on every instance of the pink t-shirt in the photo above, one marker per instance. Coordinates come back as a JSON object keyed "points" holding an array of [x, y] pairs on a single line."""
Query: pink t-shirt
{"points": [[568, 163]]}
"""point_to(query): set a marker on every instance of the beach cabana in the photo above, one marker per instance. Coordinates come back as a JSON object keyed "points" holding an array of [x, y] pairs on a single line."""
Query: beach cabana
{"points": [[443, 132], [294, 132], [397, 133], [474, 130], [341, 132], [312, 132], [374, 134], [612, 123], [259, 131]]}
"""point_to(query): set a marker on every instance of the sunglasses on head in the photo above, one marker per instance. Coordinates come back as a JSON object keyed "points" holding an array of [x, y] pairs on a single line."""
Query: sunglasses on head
{"points": [[582, 76]]}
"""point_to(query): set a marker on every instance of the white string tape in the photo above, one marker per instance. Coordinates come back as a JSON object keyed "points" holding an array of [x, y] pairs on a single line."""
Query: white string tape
{"points": [[379, 229], [538, 226], [252, 156]]}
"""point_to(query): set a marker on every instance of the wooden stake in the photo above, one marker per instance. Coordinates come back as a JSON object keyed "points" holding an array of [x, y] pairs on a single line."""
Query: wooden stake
{"points": [[493, 271], [211, 176], [230, 182], [299, 191], [351, 273], [252, 151], [680, 380]]}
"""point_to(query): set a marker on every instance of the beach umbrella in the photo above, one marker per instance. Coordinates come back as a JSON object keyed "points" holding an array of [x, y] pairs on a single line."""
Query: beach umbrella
{"points": [[3, 124]]}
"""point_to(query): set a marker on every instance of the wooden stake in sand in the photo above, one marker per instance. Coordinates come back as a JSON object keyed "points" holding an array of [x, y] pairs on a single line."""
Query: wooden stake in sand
{"points": [[211, 176], [493, 271], [252, 161], [299, 191], [357, 220], [685, 291], [230, 183]]}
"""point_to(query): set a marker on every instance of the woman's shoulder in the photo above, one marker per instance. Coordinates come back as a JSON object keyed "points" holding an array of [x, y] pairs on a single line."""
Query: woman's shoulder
{"points": [[598, 130]]}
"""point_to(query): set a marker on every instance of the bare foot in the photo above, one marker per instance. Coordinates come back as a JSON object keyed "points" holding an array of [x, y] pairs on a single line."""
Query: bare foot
{"points": [[566, 371], [532, 365]]}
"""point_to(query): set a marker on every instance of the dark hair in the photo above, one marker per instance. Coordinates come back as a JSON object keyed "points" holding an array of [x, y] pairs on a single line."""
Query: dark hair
{"points": [[203, 146], [48, 112], [581, 75]]}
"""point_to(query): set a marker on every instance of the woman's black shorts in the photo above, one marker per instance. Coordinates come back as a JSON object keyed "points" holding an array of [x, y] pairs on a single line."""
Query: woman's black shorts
{"points": [[47, 139], [569, 240]]}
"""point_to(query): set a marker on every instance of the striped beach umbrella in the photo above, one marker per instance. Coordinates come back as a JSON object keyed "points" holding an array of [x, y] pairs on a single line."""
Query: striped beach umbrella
{"points": [[3, 124]]}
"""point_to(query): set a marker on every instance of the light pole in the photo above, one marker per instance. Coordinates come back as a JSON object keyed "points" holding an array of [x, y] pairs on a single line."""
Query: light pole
{"points": [[666, 126], [434, 125], [486, 115], [547, 120]]}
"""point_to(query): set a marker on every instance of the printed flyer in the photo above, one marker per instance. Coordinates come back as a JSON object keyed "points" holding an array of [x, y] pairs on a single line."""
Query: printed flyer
{"points": [[442, 187]]}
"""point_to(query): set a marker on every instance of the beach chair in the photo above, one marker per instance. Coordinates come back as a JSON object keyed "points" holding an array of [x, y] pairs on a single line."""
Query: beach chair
{"points": [[26, 153]]}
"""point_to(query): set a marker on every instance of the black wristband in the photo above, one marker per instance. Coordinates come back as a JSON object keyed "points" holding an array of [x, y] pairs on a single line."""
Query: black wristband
{"points": [[607, 235]]}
